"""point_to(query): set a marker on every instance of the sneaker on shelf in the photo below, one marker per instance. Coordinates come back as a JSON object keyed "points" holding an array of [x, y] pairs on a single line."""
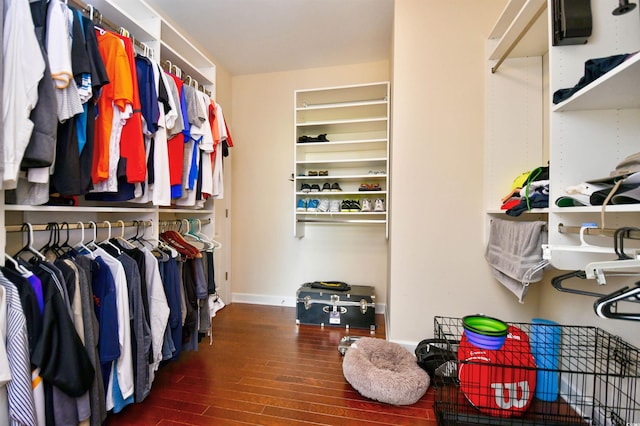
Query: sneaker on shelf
{"points": [[334, 206], [345, 206], [378, 205], [323, 205], [302, 205], [315, 187], [366, 205], [335, 187], [312, 205], [326, 187], [305, 187], [355, 206]]}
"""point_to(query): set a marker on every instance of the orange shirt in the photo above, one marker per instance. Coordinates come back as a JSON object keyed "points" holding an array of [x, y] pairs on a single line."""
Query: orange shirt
{"points": [[118, 93], [131, 141]]}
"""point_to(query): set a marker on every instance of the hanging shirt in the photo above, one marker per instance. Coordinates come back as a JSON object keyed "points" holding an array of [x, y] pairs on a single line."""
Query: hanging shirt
{"points": [[23, 68], [21, 404], [118, 94], [5, 371], [132, 145]]}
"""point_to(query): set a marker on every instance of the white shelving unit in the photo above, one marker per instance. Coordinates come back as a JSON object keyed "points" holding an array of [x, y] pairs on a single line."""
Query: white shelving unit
{"points": [[587, 134], [355, 119]]}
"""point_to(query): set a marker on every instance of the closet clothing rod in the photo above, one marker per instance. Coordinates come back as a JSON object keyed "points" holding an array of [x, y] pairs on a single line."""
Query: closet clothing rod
{"points": [[178, 221], [75, 225], [515, 42], [87, 8], [607, 232]]}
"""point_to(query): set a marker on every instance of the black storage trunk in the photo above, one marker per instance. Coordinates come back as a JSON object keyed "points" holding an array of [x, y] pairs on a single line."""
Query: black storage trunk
{"points": [[353, 308]]}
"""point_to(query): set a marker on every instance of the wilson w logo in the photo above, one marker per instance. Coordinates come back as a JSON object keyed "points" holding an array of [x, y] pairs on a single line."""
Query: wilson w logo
{"points": [[507, 394]]}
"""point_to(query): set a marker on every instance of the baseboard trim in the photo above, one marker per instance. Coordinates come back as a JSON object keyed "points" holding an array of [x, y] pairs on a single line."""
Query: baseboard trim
{"points": [[289, 301]]}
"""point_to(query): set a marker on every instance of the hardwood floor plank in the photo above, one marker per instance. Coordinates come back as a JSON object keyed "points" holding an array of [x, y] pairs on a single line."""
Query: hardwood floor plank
{"points": [[262, 369]]}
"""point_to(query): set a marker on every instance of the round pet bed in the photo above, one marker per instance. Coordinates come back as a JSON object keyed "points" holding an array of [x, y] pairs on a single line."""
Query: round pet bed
{"points": [[384, 371]]}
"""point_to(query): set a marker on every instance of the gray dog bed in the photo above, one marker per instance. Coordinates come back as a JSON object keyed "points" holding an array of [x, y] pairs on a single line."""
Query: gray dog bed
{"points": [[384, 371]]}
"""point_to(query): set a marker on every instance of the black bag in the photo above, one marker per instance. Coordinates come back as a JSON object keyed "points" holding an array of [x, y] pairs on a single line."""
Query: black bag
{"points": [[329, 285], [438, 358]]}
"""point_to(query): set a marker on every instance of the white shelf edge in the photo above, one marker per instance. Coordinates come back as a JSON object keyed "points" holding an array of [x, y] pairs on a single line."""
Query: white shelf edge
{"points": [[508, 14], [341, 193], [347, 86], [610, 91], [78, 209], [340, 142], [343, 105], [351, 177], [612, 208], [518, 25], [332, 122], [348, 161]]}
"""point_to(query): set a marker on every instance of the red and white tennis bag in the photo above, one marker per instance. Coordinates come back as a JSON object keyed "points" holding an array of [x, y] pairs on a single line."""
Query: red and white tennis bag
{"points": [[498, 382]]}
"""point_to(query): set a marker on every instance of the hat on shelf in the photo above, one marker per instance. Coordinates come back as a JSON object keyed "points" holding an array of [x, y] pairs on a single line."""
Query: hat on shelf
{"points": [[628, 166]]}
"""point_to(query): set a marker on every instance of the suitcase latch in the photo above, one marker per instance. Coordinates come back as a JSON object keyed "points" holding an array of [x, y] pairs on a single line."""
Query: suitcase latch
{"points": [[363, 306], [307, 302]]}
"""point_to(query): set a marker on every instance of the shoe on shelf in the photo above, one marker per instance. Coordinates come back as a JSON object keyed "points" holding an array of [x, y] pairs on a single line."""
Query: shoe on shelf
{"points": [[366, 205], [355, 206], [312, 205], [345, 206], [323, 205], [365, 187], [305, 187], [335, 187], [375, 187], [302, 205], [323, 173], [378, 205], [334, 206], [315, 188], [312, 173], [326, 187]]}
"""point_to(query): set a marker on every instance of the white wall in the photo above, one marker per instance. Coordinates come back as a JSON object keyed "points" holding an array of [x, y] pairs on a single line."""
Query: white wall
{"points": [[437, 264], [268, 262]]}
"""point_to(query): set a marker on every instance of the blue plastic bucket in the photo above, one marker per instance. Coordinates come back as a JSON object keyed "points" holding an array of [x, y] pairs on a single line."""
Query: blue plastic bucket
{"points": [[545, 344]]}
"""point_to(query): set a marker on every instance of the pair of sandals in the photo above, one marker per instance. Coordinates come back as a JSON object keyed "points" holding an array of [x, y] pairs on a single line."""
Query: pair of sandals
{"points": [[320, 173], [320, 138]]}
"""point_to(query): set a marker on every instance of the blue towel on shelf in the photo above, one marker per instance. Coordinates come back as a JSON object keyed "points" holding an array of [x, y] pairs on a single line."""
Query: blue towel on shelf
{"points": [[514, 248]]}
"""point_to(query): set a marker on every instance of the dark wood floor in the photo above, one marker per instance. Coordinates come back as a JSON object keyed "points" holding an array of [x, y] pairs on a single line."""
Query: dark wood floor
{"points": [[262, 369]]}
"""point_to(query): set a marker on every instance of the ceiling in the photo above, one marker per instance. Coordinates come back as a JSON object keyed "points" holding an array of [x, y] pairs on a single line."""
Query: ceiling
{"points": [[261, 36]]}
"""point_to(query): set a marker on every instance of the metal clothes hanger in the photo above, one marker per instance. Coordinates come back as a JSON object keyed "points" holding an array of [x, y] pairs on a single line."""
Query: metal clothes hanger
{"points": [[606, 307]]}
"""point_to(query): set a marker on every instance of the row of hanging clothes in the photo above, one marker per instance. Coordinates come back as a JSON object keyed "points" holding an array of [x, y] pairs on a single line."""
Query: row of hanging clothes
{"points": [[89, 116], [85, 326]]}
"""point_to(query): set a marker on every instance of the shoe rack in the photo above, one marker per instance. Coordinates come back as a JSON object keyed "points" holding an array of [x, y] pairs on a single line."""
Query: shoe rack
{"points": [[341, 144]]}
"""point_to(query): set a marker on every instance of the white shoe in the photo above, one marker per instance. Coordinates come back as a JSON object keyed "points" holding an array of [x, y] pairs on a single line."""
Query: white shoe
{"points": [[323, 206], [378, 205], [366, 205], [334, 206]]}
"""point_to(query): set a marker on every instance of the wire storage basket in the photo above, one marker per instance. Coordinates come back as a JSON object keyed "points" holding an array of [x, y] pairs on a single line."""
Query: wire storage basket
{"points": [[582, 376]]}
